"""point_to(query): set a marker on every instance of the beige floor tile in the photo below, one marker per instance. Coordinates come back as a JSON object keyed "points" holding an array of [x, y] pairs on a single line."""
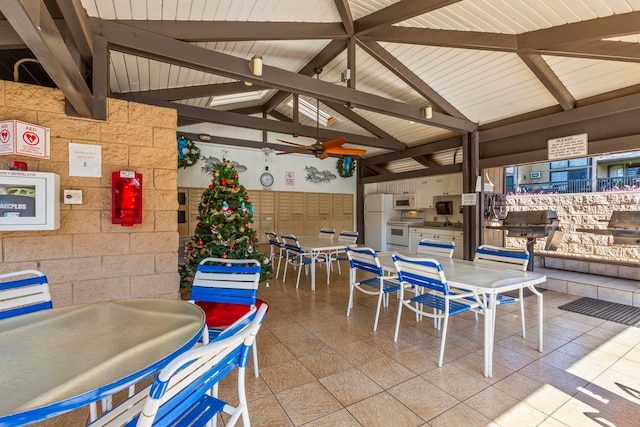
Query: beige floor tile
{"points": [[307, 403], [341, 418], [423, 398], [455, 382], [306, 345], [286, 375], [579, 366], [504, 409], [289, 332], [267, 412], [386, 372], [558, 378], [325, 362], [461, 415], [541, 396], [273, 354], [416, 360], [552, 422], [358, 352], [350, 386], [382, 410], [584, 412]]}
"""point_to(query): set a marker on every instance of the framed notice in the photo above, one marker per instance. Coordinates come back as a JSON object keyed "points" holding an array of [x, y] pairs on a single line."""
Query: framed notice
{"points": [[289, 178], [568, 147], [85, 160]]}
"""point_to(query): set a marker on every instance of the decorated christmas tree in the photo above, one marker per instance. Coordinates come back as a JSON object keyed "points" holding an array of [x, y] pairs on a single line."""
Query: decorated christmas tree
{"points": [[225, 215]]}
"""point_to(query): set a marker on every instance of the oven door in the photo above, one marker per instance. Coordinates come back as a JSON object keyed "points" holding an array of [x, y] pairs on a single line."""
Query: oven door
{"points": [[398, 235]]}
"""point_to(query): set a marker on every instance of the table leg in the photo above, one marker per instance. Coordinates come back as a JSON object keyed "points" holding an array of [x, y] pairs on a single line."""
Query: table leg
{"points": [[314, 257], [488, 336], [540, 317]]}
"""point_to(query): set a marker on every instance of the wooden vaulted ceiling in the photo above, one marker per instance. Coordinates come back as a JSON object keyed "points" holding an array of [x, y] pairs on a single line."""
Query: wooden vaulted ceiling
{"points": [[510, 86]]}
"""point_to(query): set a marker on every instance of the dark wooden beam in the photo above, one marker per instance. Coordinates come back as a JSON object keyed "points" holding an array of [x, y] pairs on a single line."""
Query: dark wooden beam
{"points": [[439, 170], [345, 15], [421, 150], [221, 31], [361, 121], [35, 26], [409, 77], [605, 50], [240, 120], [398, 12], [550, 80], [9, 39], [77, 21], [184, 54], [199, 91], [100, 77], [425, 161]]}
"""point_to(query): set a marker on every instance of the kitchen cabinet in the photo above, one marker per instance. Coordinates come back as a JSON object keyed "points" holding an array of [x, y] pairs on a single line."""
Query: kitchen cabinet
{"points": [[424, 193], [445, 234], [447, 185]]}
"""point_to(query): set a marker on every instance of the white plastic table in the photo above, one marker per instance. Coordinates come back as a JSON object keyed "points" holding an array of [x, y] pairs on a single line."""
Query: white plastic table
{"points": [[54, 361], [485, 280], [317, 246]]}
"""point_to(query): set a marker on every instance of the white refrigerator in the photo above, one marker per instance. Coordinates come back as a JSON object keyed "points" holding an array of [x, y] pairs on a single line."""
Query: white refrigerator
{"points": [[378, 209]]}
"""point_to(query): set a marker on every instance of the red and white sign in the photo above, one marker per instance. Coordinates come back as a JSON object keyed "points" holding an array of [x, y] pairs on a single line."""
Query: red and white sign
{"points": [[289, 178], [24, 139]]}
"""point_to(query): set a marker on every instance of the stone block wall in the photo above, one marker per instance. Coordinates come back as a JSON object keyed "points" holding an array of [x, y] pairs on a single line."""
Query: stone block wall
{"points": [[582, 210], [88, 258]]}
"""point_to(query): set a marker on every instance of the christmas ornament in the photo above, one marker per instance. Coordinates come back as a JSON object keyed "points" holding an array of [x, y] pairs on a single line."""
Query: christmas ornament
{"points": [[223, 182], [235, 176], [216, 174], [254, 239], [188, 152], [199, 224], [246, 225], [207, 221], [241, 229], [226, 209], [211, 186], [246, 197], [224, 256], [200, 242], [243, 208]]}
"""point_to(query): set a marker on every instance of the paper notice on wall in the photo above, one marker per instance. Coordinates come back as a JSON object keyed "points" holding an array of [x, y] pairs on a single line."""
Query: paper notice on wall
{"points": [[85, 160], [288, 178], [469, 199], [568, 147]]}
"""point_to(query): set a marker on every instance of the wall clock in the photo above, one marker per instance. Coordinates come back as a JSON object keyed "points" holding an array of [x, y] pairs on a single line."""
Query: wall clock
{"points": [[266, 179]]}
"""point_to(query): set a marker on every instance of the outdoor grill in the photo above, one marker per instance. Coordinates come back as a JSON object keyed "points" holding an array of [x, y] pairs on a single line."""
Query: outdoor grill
{"points": [[624, 226], [533, 225]]}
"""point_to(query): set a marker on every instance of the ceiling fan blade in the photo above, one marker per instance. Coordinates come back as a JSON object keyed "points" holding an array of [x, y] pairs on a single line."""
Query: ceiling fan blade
{"points": [[346, 151], [296, 144], [334, 142], [323, 155], [304, 150]]}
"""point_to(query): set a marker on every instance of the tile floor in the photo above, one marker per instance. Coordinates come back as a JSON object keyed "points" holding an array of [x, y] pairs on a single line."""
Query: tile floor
{"points": [[319, 367]]}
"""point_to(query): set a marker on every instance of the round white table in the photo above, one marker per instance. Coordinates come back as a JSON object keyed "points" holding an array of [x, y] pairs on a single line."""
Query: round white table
{"points": [[54, 361]]}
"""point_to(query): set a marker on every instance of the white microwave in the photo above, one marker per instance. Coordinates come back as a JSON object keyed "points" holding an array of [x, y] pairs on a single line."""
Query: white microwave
{"points": [[404, 202]]}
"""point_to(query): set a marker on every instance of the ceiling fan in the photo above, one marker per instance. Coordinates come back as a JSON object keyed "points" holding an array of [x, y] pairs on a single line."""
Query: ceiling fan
{"points": [[322, 149]]}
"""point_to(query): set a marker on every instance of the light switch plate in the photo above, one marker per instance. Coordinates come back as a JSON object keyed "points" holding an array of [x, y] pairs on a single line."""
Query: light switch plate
{"points": [[73, 197]]}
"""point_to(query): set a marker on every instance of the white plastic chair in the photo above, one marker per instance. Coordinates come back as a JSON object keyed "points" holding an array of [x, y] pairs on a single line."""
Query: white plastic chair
{"points": [[296, 256], [348, 238], [426, 274], [507, 259], [436, 248], [226, 289], [185, 392], [23, 292], [374, 282], [329, 233], [276, 249]]}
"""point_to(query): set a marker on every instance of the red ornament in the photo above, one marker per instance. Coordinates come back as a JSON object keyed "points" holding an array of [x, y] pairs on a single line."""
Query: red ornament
{"points": [[246, 197], [246, 225], [190, 248], [223, 182], [199, 224], [211, 186], [233, 187], [200, 242], [235, 176], [254, 239], [224, 256]]}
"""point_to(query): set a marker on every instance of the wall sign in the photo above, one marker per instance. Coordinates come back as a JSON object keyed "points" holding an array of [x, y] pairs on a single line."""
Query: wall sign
{"points": [[85, 160], [568, 147], [24, 138], [288, 178]]}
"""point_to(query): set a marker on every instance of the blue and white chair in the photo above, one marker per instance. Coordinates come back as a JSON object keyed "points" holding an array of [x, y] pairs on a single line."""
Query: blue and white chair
{"points": [[507, 259], [276, 250], [226, 290], [297, 257], [436, 248], [329, 233], [348, 238], [185, 392], [365, 262], [426, 274], [23, 292]]}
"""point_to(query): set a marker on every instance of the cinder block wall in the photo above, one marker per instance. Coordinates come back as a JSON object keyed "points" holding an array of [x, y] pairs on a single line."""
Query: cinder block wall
{"points": [[583, 210], [88, 258]]}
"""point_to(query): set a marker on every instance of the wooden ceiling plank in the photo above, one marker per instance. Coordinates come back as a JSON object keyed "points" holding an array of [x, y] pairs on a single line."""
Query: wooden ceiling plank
{"points": [[361, 121], [421, 150], [409, 77], [35, 26], [221, 31], [184, 54], [398, 12], [549, 79], [623, 24], [439, 170], [425, 161]]}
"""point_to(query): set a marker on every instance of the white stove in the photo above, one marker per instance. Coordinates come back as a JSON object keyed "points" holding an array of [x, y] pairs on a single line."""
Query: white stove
{"points": [[398, 230]]}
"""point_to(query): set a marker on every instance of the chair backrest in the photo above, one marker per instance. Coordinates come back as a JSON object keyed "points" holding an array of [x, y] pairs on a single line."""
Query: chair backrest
{"points": [[436, 248], [348, 237], [273, 239], [505, 258], [231, 281], [23, 292], [364, 259], [182, 385], [291, 243], [424, 272], [327, 232]]}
